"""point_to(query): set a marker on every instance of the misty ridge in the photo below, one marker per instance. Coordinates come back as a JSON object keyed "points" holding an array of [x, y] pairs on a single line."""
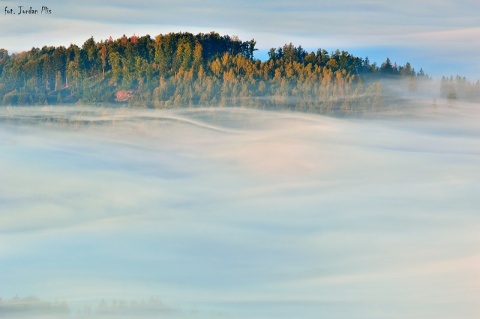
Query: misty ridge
{"points": [[182, 69], [182, 167]]}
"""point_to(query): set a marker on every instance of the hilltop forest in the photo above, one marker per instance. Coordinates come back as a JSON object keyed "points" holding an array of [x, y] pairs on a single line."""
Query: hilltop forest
{"points": [[182, 69]]}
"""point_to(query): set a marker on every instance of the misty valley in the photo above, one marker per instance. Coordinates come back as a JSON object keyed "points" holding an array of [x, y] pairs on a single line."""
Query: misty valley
{"points": [[229, 212], [180, 177]]}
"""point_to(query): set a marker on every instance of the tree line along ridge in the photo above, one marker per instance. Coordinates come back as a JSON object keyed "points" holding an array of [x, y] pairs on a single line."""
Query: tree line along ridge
{"points": [[182, 69]]}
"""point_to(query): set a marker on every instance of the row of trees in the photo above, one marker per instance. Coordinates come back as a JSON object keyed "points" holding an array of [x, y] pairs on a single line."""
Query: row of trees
{"points": [[33, 307], [459, 88], [179, 69], [22, 307]]}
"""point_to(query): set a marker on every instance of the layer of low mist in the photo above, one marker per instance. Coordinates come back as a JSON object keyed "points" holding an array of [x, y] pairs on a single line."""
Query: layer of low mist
{"points": [[236, 213]]}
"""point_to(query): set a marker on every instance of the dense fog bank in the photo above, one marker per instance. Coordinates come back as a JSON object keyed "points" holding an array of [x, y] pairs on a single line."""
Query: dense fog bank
{"points": [[234, 213]]}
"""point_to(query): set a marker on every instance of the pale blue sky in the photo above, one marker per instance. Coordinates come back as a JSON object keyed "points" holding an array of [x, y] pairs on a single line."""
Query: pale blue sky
{"points": [[440, 36]]}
